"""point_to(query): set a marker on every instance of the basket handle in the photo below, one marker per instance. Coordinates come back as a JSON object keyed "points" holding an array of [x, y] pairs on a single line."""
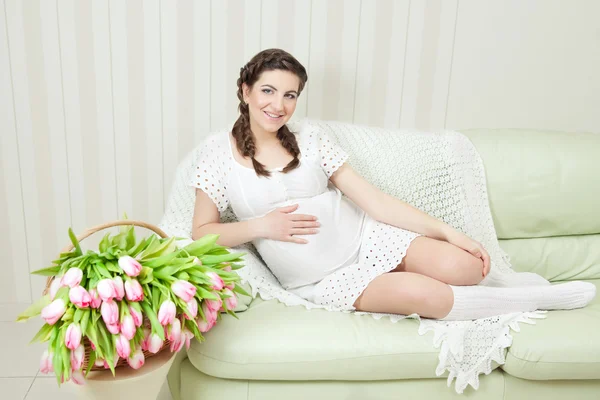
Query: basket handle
{"points": [[98, 228]]}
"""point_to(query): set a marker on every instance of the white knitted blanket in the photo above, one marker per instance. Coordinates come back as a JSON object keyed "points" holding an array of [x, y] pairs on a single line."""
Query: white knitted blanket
{"points": [[440, 173]]}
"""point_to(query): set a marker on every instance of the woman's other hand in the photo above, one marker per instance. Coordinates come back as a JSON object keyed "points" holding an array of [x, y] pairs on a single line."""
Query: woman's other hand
{"points": [[473, 247], [280, 224]]}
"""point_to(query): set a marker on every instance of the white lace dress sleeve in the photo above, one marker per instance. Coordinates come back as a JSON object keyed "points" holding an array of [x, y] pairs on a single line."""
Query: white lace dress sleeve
{"points": [[209, 174]]}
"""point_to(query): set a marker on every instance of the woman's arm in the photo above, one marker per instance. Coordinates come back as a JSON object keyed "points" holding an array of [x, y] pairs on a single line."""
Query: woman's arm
{"points": [[393, 211], [281, 224], [206, 221], [386, 208]]}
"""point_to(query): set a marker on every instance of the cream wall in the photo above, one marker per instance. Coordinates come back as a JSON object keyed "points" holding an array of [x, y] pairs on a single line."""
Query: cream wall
{"points": [[100, 99]]}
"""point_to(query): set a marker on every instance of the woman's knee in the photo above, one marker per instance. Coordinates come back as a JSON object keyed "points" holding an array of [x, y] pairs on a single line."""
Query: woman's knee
{"points": [[469, 270]]}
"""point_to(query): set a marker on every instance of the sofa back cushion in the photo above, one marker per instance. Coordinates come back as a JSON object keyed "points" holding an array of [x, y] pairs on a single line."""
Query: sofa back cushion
{"points": [[541, 183], [543, 189]]}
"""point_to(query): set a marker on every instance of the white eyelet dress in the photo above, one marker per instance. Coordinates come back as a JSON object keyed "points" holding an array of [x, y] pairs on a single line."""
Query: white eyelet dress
{"points": [[351, 248]]}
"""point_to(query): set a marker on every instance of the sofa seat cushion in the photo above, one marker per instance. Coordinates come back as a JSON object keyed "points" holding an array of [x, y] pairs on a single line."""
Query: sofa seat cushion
{"points": [[565, 345], [276, 342]]}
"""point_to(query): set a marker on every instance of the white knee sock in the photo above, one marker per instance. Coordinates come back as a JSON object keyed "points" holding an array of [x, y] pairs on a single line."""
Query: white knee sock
{"points": [[517, 279], [474, 302]]}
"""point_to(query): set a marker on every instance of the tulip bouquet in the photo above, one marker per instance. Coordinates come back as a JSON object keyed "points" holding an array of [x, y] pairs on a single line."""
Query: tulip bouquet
{"points": [[130, 300]]}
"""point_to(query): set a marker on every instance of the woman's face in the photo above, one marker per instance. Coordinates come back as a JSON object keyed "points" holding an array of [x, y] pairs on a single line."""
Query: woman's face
{"points": [[272, 100]]}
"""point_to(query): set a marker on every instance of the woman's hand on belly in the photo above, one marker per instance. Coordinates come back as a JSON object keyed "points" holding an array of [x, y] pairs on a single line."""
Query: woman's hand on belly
{"points": [[282, 225]]}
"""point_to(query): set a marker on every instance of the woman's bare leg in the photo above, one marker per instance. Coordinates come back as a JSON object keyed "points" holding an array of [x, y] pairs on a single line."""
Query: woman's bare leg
{"points": [[406, 293], [442, 261]]}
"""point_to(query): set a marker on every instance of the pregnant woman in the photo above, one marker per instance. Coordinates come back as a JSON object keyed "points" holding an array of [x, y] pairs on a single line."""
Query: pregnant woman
{"points": [[365, 251]]}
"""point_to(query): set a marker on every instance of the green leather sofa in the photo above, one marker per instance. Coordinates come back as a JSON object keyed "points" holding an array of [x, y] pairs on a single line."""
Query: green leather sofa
{"points": [[544, 192]]}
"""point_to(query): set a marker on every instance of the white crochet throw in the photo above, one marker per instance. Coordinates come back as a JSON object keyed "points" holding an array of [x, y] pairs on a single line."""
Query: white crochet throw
{"points": [[440, 173]]}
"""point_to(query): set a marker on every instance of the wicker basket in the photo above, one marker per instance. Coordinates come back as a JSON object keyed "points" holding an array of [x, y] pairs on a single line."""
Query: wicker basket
{"points": [[122, 362]]}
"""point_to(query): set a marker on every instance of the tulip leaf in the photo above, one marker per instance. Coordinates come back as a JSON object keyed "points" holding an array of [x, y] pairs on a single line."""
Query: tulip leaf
{"points": [[50, 271], [202, 245], [208, 259], [146, 275], [160, 261], [35, 309], [57, 365], [77, 316], [91, 361], [205, 294], [103, 245], [85, 319], [151, 315], [112, 267], [232, 314], [240, 290], [66, 361], [138, 248], [183, 276], [75, 242], [43, 334]]}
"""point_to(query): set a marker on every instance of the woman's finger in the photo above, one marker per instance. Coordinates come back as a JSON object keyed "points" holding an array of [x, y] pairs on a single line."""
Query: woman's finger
{"points": [[305, 224], [304, 231], [302, 217], [293, 239]]}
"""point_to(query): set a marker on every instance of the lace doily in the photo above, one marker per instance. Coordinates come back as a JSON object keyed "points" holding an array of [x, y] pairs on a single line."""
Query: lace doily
{"points": [[440, 173]]}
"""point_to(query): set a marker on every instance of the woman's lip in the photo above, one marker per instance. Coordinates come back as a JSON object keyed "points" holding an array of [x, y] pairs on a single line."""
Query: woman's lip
{"points": [[272, 118]]}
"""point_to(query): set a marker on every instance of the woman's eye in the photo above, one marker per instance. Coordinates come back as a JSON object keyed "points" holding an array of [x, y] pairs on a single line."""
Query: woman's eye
{"points": [[291, 96], [267, 91]]}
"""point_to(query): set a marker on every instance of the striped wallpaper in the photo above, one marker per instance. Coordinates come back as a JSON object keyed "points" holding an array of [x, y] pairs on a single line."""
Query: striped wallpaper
{"points": [[100, 99]]}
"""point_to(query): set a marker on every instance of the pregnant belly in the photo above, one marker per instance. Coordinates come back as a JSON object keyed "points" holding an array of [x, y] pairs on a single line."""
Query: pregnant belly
{"points": [[335, 245]]}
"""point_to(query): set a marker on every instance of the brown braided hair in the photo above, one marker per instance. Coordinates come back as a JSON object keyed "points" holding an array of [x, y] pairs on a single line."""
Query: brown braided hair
{"points": [[266, 60]]}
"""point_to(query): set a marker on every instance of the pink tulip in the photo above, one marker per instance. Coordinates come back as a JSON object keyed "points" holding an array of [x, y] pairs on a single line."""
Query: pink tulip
{"points": [[231, 286], [73, 336], [92, 345], [192, 307], [136, 360], [46, 362], [95, 300], [77, 357], [99, 362], [227, 267], [114, 363], [184, 290], [119, 289], [115, 329], [145, 341], [204, 326], [214, 305], [77, 377], [177, 344], [217, 282], [187, 335], [230, 302], [166, 312], [209, 314], [155, 343], [72, 278], [123, 347], [128, 327], [80, 297], [106, 289], [197, 261], [130, 265], [110, 312], [54, 286], [137, 316], [133, 290], [174, 330], [53, 311]]}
